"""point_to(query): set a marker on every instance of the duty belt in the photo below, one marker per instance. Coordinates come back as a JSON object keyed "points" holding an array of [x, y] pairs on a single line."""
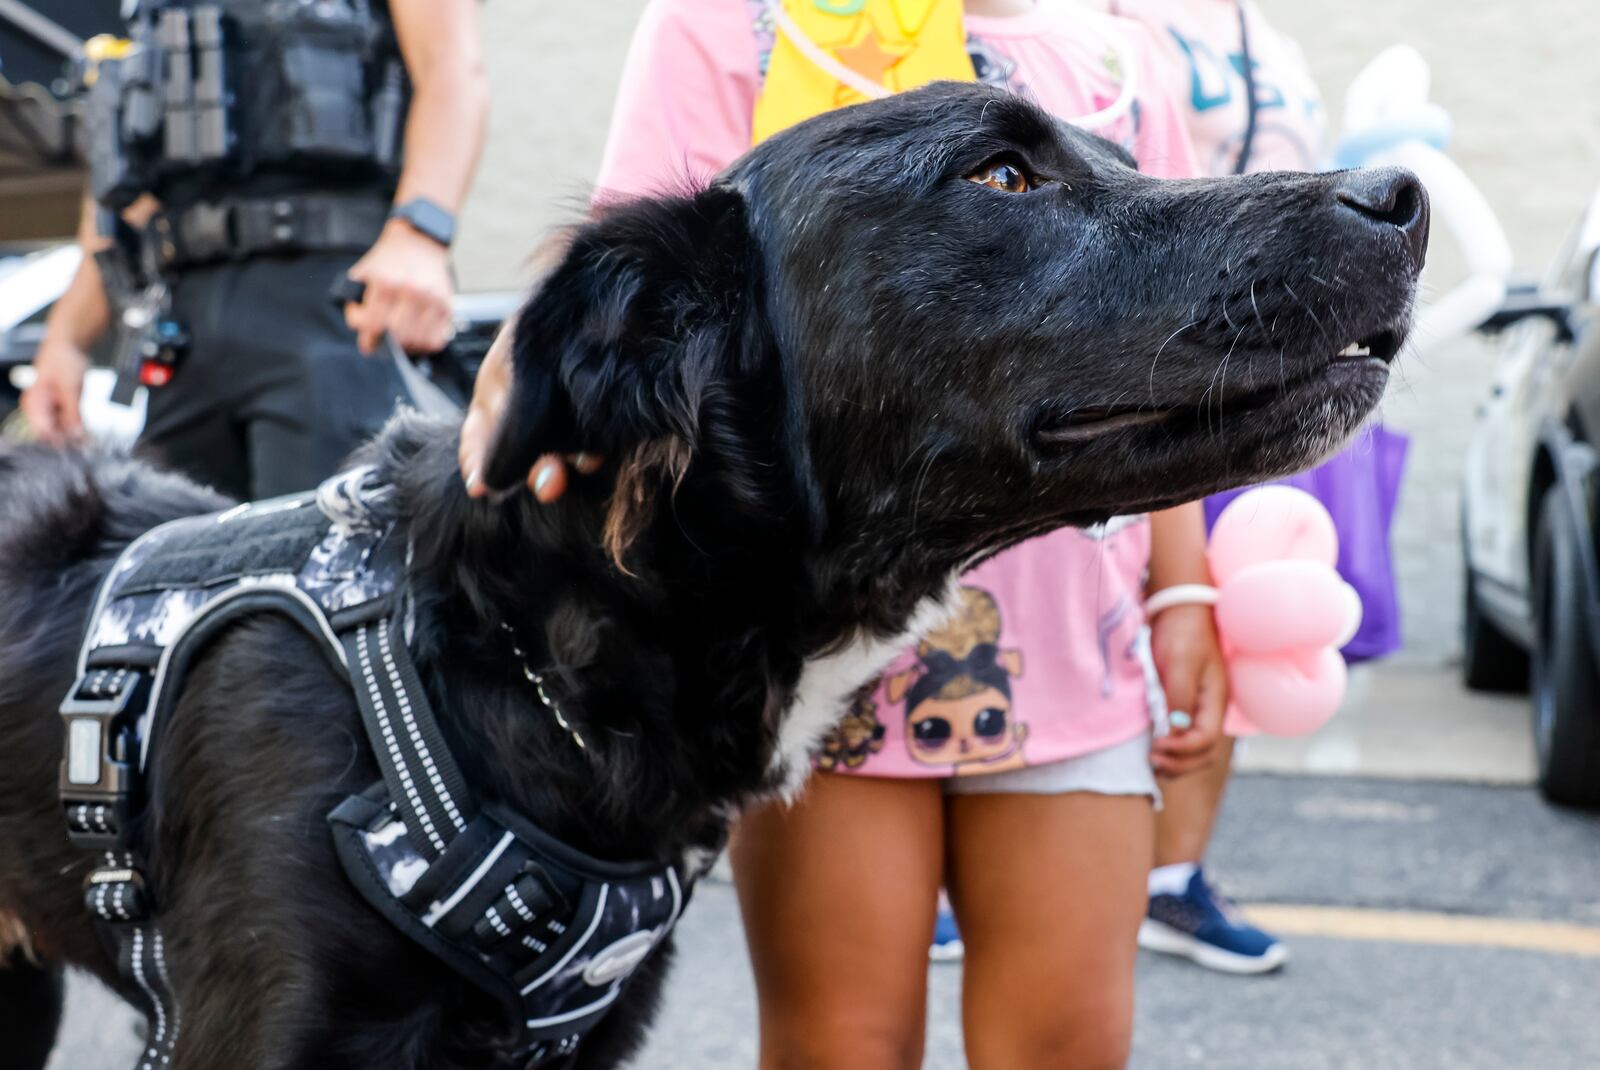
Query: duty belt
{"points": [[551, 933], [237, 228]]}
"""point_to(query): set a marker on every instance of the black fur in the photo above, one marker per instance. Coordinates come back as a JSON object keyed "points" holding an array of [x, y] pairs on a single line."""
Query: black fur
{"points": [[824, 385], [31, 998]]}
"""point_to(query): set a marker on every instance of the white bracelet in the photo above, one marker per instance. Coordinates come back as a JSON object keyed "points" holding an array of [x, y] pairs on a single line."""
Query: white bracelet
{"points": [[1182, 594]]}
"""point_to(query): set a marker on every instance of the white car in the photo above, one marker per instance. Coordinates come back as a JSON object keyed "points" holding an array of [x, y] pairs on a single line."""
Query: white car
{"points": [[30, 282], [1531, 516]]}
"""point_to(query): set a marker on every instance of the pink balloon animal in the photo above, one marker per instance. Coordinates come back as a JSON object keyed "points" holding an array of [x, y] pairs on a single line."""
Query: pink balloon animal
{"points": [[1282, 611]]}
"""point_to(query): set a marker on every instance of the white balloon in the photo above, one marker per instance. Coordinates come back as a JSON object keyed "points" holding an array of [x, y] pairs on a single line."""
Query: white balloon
{"points": [[1393, 86], [1393, 82]]}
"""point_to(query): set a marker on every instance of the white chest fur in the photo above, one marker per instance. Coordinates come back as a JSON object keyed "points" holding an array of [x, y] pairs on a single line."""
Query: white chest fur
{"points": [[828, 681]]}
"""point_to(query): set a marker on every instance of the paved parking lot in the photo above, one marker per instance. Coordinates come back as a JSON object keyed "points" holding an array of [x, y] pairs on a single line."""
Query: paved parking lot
{"points": [[1358, 873], [1439, 915]]}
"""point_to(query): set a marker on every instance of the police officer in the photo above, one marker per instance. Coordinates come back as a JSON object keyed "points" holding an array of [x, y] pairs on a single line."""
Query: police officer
{"points": [[244, 157]]}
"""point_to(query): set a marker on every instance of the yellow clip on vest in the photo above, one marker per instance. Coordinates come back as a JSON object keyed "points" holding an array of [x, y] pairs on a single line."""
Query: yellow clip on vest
{"points": [[894, 44]]}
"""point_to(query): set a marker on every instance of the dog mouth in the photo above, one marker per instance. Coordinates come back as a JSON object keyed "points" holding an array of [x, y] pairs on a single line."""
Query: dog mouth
{"points": [[1054, 429], [1383, 346]]}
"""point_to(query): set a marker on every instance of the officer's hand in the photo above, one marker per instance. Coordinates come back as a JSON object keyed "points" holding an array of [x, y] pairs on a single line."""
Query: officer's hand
{"points": [[51, 403], [548, 476], [407, 276]]}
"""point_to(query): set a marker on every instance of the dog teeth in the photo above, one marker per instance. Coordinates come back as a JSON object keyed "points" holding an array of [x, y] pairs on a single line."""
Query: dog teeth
{"points": [[1356, 349]]}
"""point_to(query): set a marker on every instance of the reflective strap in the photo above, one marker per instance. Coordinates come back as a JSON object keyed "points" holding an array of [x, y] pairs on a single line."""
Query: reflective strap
{"points": [[439, 909], [141, 955], [422, 777], [115, 896]]}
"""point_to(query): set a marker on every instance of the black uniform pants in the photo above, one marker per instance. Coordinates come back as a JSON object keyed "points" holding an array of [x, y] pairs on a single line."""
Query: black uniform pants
{"points": [[272, 394]]}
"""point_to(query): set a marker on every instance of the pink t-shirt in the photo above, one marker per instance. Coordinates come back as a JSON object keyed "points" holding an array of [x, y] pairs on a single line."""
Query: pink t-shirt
{"points": [[1045, 661], [1205, 68]]}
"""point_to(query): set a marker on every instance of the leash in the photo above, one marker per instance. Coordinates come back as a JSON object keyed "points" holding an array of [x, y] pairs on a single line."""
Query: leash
{"points": [[426, 396]]}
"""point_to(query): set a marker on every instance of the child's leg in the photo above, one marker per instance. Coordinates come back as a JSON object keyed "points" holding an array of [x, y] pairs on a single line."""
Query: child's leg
{"points": [[1189, 811], [1187, 915], [1049, 891], [838, 894]]}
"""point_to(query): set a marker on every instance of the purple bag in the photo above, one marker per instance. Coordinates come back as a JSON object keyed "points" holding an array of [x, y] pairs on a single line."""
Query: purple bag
{"points": [[1360, 487]]}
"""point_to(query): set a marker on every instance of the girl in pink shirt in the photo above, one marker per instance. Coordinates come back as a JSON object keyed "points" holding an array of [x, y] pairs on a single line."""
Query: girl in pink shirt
{"points": [[1008, 754]]}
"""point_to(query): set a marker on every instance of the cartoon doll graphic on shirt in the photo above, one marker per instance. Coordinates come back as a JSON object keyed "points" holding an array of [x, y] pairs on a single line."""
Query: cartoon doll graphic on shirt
{"points": [[958, 709]]}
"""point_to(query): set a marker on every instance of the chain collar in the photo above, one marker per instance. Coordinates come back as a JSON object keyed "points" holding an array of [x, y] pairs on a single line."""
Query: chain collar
{"points": [[537, 680]]}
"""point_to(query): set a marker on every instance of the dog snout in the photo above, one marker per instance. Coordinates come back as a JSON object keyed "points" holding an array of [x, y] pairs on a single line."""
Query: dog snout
{"points": [[1389, 197]]}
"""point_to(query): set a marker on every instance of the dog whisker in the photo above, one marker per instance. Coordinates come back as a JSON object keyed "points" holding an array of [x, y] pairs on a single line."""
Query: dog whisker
{"points": [[1156, 359], [1310, 312], [1227, 318], [1218, 389], [921, 485]]}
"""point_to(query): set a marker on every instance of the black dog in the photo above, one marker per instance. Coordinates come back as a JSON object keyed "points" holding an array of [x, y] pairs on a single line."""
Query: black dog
{"points": [[882, 347]]}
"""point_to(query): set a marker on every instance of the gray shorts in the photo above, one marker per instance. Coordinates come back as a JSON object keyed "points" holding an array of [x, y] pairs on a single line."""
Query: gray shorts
{"points": [[1120, 769]]}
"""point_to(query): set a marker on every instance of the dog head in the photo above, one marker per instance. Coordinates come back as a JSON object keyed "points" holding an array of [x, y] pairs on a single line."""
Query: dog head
{"points": [[925, 328]]}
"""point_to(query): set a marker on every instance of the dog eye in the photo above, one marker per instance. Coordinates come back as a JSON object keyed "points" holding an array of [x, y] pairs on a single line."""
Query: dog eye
{"points": [[1002, 175], [931, 731]]}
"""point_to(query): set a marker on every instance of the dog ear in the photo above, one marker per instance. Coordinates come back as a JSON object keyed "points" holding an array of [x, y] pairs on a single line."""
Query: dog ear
{"points": [[618, 345], [648, 345]]}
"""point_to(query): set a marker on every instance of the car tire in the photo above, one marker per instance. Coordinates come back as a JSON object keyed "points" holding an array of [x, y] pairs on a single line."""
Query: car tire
{"points": [[1489, 660], [1565, 678]]}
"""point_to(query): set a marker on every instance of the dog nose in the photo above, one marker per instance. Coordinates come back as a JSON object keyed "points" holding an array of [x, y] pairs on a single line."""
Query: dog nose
{"points": [[1389, 197]]}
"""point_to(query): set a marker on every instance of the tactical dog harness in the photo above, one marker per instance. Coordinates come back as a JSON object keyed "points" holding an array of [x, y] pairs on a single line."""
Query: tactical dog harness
{"points": [[550, 932]]}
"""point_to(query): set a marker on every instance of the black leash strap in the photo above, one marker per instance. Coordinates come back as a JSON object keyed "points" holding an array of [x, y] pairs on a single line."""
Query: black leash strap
{"points": [[424, 392], [423, 779], [117, 898], [99, 791]]}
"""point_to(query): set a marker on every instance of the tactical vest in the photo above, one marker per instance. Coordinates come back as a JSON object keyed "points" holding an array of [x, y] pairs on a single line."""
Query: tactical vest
{"points": [[553, 934], [212, 95]]}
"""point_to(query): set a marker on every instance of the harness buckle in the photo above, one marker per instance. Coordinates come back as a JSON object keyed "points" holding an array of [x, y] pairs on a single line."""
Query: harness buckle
{"points": [[117, 894], [99, 768]]}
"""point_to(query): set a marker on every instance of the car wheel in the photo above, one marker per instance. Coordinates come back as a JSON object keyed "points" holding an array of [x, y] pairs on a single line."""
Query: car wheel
{"points": [[1565, 678], [1489, 661]]}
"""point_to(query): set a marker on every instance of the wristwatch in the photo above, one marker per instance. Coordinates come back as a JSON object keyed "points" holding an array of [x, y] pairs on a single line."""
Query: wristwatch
{"points": [[427, 218]]}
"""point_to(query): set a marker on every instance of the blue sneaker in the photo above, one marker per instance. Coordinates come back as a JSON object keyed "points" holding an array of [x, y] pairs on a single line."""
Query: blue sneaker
{"points": [[947, 945], [1203, 926]]}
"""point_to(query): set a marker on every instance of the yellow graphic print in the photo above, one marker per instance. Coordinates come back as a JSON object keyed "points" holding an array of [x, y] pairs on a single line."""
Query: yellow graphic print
{"points": [[958, 700], [898, 44], [857, 736]]}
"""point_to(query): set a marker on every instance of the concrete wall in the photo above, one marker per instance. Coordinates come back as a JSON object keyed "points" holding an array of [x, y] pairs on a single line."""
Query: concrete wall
{"points": [[1521, 79]]}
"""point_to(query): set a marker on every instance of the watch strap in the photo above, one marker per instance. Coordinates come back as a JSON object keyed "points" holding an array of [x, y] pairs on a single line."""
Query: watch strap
{"points": [[428, 218]]}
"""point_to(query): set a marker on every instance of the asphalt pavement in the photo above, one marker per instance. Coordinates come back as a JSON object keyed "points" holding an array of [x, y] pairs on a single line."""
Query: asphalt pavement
{"points": [[1434, 920]]}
